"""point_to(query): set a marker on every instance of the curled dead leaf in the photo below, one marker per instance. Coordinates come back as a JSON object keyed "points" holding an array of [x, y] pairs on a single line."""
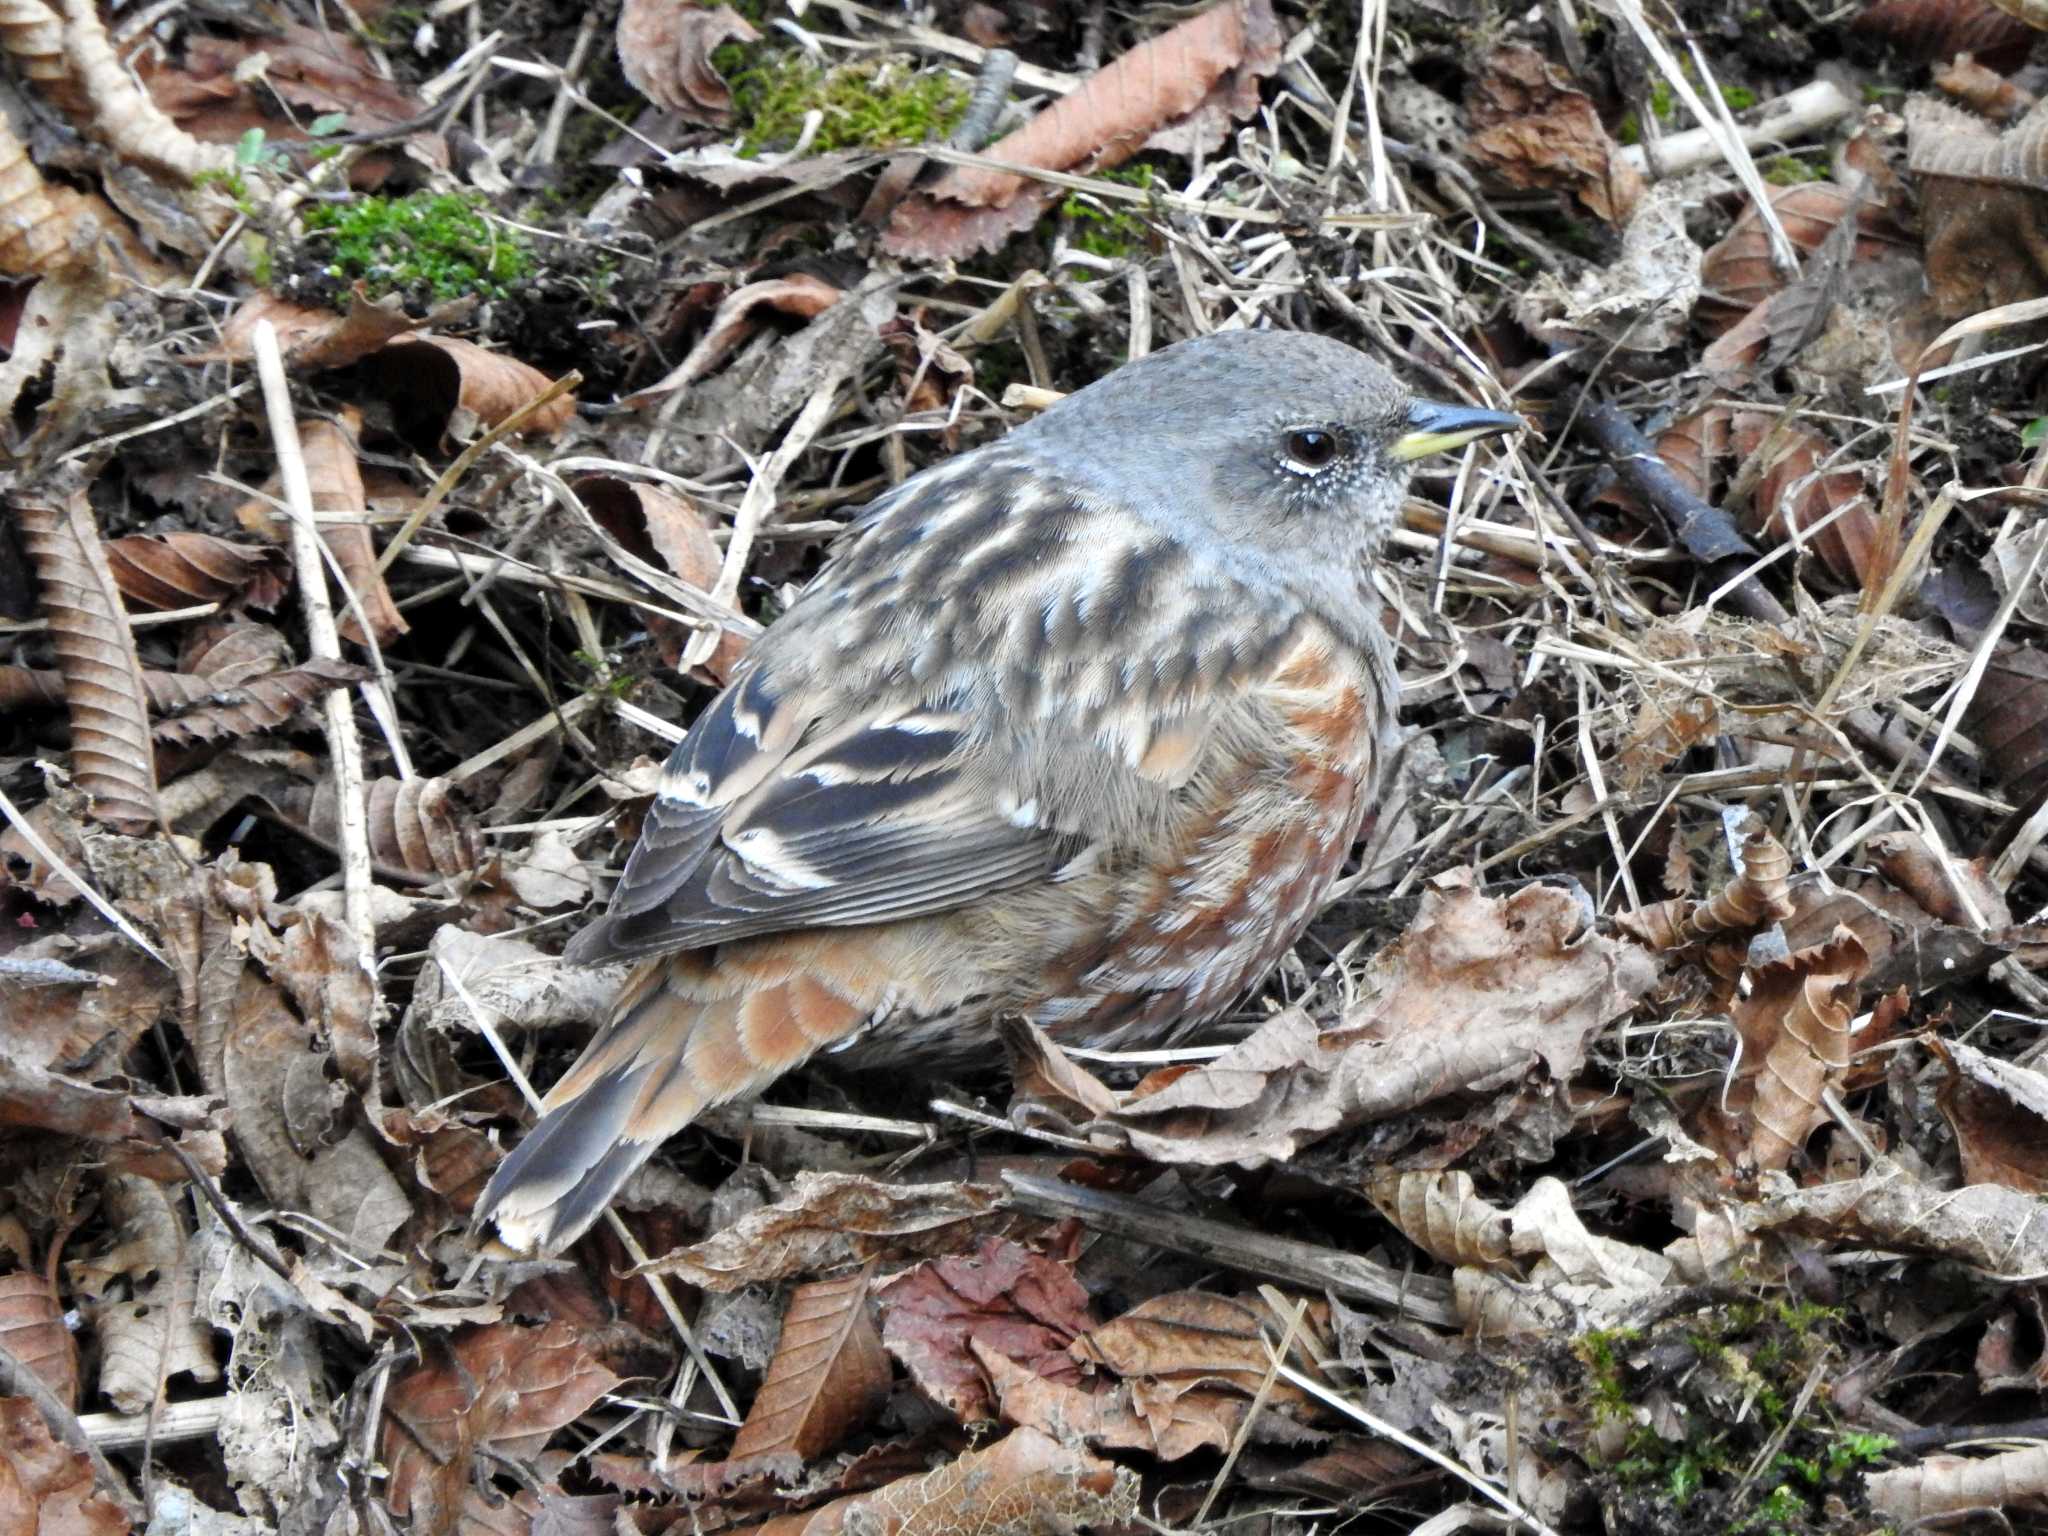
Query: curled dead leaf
{"points": [[1024, 1484], [32, 1329], [250, 708], [336, 482], [112, 761], [661, 531], [665, 49], [1442, 1214], [183, 570], [1737, 271], [1533, 129], [829, 1219], [1758, 895], [310, 339], [1935, 31], [442, 388], [50, 1484], [1203, 72], [418, 827], [1794, 1026], [1796, 494]]}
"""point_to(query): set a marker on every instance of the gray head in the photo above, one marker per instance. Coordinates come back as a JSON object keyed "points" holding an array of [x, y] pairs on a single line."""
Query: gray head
{"points": [[1284, 451]]}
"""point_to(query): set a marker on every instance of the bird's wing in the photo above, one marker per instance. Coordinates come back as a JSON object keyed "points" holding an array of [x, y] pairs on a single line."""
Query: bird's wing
{"points": [[770, 818], [980, 689]]}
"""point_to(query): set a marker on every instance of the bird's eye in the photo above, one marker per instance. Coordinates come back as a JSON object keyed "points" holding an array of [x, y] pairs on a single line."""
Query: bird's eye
{"points": [[1309, 449]]}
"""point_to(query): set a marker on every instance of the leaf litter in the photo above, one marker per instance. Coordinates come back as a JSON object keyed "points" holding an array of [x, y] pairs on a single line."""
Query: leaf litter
{"points": [[1646, 1138]]}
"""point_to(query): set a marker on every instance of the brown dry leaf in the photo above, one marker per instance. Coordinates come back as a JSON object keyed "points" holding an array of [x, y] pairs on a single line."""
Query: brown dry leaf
{"points": [[33, 1098], [1023, 1306], [1986, 1226], [1738, 273], [318, 71], [310, 339], [1024, 1485], [505, 1387], [46, 1488], [1125, 1416], [1999, 1113], [665, 49], [111, 757], [321, 965], [88, 1033], [44, 227], [1935, 31], [1984, 91], [183, 570], [2008, 719], [28, 687], [145, 1290], [336, 483], [419, 830], [1044, 1080], [1929, 1493], [1186, 1339], [1479, 989], [1443, 1215], [253, 707], [1794, 1026], [1950, 890], [444, 389], [1533, 129], [289, 1120], [832, 1219], [829, 1376], [661, 529], [1983, 207], [32, 1329], [1794, 493], [739, 314], [1203, 71], [1759, 894]]}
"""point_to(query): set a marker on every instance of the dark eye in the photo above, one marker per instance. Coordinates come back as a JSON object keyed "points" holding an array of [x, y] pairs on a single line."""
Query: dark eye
{"points": [[1309, 449]]}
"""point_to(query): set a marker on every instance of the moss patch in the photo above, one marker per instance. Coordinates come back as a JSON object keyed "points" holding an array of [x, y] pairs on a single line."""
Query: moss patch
{"points": [[1718, 1430], [874, 103], [428, 245]]}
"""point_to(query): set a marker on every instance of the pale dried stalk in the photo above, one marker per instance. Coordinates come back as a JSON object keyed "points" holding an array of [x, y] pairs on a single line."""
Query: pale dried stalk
{"points": [[344, 747]]}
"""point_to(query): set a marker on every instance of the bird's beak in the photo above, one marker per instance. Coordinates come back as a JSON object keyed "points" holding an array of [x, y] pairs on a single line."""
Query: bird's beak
{"points": [[1435, 428]]}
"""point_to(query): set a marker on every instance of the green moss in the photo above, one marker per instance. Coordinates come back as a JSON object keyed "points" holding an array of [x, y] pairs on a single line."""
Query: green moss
{"points": [[1105, 229], [1790, 170], [1760, 1354], [438, 245], [871, 103], [1739, 98]]}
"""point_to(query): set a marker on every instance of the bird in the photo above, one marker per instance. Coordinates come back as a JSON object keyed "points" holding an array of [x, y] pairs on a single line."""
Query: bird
{"points": [[1076, 727]]}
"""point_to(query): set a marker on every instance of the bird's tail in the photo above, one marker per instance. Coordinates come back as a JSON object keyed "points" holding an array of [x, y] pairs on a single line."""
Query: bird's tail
{"points": [[682, 1038]]}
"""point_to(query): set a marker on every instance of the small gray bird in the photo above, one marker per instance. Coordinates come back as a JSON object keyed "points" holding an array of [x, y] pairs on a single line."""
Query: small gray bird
{"points": [[1076, 727]]}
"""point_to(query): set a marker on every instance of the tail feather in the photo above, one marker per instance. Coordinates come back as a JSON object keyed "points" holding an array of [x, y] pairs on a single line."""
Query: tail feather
{"points": [[678, 1043]]}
